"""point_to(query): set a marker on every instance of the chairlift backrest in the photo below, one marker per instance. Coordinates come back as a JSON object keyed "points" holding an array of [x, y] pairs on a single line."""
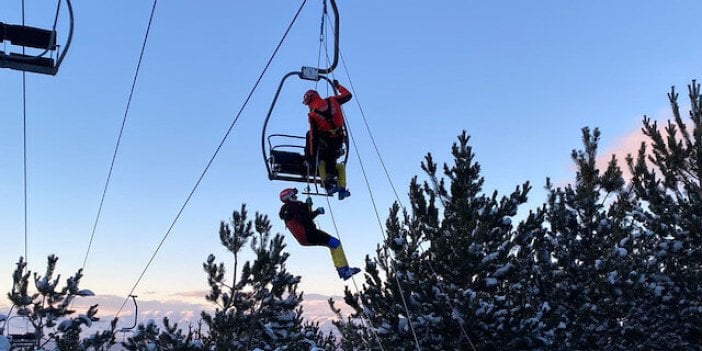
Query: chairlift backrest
{"points": [[28, 36], [36, 38]]}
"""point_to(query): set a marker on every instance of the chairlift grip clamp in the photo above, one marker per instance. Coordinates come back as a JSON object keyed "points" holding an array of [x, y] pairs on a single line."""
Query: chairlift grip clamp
{"points": [[310, 73]]}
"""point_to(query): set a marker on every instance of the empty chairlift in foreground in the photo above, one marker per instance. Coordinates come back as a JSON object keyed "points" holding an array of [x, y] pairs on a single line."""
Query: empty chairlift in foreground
{"points": [[19, 332], [43, 56]]}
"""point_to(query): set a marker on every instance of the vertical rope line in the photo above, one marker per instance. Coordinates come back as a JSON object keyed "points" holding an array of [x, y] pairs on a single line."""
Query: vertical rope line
{"points": [[56, 16], [24, 159], [119, 137], [365, 321], [322, 37], [213, 157], [463, 331], [382, 230], [24, 147], [380, 223], [353, 279], [392, 185]]}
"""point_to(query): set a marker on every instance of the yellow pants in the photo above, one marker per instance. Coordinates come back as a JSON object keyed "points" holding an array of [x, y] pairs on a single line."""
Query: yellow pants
{"points": [[340, 171], [338, 257]]}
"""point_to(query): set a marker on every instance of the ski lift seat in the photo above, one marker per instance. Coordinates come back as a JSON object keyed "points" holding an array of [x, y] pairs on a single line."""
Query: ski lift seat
{"points": [[28, 37], [22, 341], [21, 62], [288, 162], [42, 41]]}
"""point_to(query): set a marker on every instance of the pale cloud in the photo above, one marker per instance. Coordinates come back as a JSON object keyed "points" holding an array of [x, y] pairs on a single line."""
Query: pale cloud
{"points": [[627, 144], [192, 293], [630, 143], [185, 313]]}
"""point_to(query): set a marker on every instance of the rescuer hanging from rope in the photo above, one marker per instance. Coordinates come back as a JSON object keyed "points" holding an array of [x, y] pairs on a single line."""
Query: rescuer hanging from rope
{"points": [[326, 137], [299, 219]]}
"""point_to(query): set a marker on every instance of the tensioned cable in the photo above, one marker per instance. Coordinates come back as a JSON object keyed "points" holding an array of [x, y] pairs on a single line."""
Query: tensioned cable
{"points": [[380, 224], [431, 267], [322, 43], [216, 152], [377, 216], [24, 157], [353, 279], [387, 174], [121, 132], [24, 147]]}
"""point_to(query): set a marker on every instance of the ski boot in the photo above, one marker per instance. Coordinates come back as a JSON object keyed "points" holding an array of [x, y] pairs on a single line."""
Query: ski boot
{"points": [[343, 193], [330, 186], [347, 272]]}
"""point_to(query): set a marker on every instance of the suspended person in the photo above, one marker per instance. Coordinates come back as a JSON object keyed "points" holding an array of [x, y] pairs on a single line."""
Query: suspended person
{"points": [[299, 219], [326, 137]]}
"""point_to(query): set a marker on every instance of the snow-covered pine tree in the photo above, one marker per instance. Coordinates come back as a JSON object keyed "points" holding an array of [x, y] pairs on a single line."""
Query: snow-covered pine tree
{"points": [[591, 246], [48, 310], [476, 254], [457, 286], [149, 337], [398, 300], [260, 309], [668, 314]]}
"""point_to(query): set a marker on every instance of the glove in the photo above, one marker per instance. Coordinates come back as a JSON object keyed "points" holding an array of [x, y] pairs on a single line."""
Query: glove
{"points": [[320, 210], [309, 201], [336, 83]]}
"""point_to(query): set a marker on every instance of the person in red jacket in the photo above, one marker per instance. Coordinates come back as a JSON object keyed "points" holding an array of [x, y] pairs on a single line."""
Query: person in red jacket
{"points": [[326, 137], [299, 219]]}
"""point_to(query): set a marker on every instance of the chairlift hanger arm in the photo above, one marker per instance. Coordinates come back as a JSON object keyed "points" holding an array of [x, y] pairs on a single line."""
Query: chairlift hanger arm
{"points": [[336, 40], [70, 34], [136, 311], [268, 116], [314, 73]]}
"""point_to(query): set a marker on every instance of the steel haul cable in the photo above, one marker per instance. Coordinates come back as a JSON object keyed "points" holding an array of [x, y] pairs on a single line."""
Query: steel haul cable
{"points": [[404, 302], [214, 155], [392, 185], [323, 44], [24, 148], [121, 132], [364, 318]]}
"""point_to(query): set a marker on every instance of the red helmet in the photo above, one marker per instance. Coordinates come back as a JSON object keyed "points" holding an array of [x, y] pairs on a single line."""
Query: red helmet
{"points": [[288, 194], [309, 95]]}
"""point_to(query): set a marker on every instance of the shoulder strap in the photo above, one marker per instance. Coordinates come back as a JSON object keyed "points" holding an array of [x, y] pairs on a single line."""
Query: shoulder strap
{"points": [[328, 115]]}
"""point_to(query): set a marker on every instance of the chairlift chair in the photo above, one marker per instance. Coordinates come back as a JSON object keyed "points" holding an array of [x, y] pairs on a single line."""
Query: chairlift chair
{"points": [[35, 38], [284, 154], [19, 340]]}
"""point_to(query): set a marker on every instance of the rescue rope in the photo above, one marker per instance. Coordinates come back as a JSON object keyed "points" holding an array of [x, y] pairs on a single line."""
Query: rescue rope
{"points": [[214, 155], [377, 215], [322, 43], [380, 224], [392, 185], [353, 279], [24, 147], [121, 132]]}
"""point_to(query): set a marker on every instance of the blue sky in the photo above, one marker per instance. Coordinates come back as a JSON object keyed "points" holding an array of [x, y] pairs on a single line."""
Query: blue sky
{"points": [[521, 77]]}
